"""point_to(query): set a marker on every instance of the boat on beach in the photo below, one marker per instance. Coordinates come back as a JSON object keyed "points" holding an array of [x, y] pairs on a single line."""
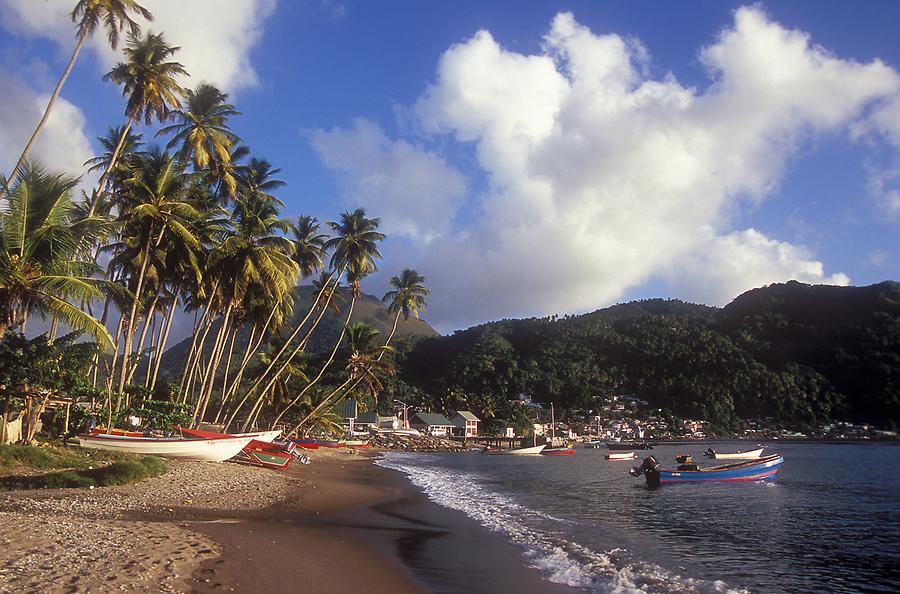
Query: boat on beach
{"points": [[621, 456], [211, 449], [751, 470], [739, 455]]}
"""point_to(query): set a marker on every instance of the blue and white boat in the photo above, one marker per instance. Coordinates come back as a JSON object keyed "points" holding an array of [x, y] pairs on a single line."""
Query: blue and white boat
{"points": [[752, 470]]}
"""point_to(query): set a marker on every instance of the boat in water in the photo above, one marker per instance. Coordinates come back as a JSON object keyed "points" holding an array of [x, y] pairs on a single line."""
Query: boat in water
{"points": [[751, 470], [211, 449], [740, 455], [621, 456], [560, 451], [594, 445]]}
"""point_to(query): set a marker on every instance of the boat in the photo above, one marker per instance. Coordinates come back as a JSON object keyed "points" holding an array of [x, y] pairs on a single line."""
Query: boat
{"points": [[593, 445], [264, 436], [560, 451], [750, 470], [740, 455], [524, 451], [211, 449], [306, 444], [621, 456], [684, 458], [263, 453], [357, 443], [629, 445], [564, 450]]}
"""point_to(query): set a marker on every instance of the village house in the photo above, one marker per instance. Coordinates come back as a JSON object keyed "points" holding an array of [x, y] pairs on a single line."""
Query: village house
{"points": [[465, 423], [431, 424]]}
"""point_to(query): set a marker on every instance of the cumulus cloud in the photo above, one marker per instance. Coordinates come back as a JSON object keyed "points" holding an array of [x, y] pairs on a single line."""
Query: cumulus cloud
{"points": [[601, 177], [63, 145], [217, 52], [415, 192], [726, 265]]}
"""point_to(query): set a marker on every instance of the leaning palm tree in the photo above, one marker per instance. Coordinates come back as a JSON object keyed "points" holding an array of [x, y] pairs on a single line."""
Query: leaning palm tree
{"points": [[355, 250], [407, 298], [43, 264], [148, 80], [201, 131], [88, 14]]}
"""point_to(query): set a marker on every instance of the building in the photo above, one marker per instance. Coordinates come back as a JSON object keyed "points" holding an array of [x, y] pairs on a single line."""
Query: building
{"points": [[465, 423], [431, 423], [354, 420]]}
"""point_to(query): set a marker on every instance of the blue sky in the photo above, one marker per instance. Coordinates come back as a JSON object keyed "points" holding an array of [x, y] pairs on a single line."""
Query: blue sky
{"points": [[532, 158]]}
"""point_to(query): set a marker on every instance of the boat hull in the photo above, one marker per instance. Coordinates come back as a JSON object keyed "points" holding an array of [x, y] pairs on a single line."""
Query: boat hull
{"points": [[621, 456], [762, 469], [209, 450], [748, 455], [526, 451], [559, 452], [629, 445]]}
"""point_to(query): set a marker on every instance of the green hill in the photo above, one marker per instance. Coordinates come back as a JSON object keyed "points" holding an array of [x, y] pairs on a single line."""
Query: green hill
{"points": [[802, 354]]}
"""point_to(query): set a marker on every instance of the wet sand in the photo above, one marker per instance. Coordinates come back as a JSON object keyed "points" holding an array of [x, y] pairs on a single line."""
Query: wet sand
{"points": [[358, 525]]}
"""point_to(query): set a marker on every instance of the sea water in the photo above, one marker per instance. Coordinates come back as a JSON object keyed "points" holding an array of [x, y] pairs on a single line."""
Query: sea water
{"points": [[828, 522]]}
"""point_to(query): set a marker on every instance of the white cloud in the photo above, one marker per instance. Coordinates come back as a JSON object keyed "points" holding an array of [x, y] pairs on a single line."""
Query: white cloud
{"points": [[725, 266], [601, 177], [216, 52], [63, 144], [415, 192]]}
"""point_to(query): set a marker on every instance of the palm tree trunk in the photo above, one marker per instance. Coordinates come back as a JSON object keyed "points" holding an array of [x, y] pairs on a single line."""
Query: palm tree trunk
{"points": [[188, 363], [248, 355], [135, 358], [228, 388], [338, 391], [101, 187], [306, 388], [161, 348], [287, 343], [129, 329], [40, 126], [212, 381], [300, 346], [215, 358], [155, 333]]}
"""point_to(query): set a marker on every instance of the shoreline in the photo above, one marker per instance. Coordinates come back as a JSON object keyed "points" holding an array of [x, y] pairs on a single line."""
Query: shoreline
{"points": [[337, 525]]}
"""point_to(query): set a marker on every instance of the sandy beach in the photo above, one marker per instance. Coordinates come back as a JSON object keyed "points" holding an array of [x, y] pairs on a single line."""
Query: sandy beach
{"points": [[337, 525]]}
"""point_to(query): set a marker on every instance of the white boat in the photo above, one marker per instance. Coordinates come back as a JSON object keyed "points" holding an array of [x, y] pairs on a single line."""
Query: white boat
{"points": [[211, 450], [620, 456], [746, 455], [526, 451]]}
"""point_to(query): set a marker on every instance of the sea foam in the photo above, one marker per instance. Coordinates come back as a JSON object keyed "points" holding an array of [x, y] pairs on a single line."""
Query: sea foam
{"points": [[561, 560]]}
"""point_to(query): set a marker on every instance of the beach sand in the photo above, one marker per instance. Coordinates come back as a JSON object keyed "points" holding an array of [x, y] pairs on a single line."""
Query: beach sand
{"points": [[340, 524]]}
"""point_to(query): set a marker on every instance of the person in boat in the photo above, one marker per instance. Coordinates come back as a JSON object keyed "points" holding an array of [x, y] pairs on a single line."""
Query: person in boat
{"points": [[710, 453]]}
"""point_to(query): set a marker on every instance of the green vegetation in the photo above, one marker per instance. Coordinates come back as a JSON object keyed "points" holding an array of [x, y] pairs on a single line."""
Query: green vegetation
{"points": [[799, 354], [121, 472]]}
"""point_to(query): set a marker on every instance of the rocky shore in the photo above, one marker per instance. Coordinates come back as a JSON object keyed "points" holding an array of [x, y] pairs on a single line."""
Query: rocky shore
{"points": [[415, 443]]}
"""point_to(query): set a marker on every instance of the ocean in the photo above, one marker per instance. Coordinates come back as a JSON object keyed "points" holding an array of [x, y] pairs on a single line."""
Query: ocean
{"points": [[828, 522]]}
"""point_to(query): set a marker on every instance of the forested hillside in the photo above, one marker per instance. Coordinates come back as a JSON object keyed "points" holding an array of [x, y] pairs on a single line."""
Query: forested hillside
{"points": [[801, 354]]}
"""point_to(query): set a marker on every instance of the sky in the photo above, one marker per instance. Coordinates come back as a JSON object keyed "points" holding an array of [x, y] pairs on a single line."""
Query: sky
{"points": [[534, 158]]}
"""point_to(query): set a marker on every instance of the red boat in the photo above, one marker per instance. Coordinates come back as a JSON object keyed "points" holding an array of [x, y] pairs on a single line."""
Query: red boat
{"points": [[259, 453]]}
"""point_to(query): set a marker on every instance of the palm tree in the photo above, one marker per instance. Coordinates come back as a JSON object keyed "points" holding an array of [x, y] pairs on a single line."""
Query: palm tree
{"points": [[161, 205], [42, 255], [407, 298], [88, 14], [355, 250], [148, 80], [201, 130], [309, 245]]}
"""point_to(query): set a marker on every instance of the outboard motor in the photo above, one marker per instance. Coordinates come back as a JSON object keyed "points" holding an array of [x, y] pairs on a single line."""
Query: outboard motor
{"points": [[650, 469]]}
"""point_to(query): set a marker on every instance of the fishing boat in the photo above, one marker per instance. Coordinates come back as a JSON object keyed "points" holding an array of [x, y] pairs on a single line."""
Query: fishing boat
{"points": [[684, 458], [751, 470], [740, 455], [264, 436], [525, 451], [560, 451], [629, 445], [270, 455], [357, 443], [621, 456], [593, 445], [306, 444], [212, 449]]}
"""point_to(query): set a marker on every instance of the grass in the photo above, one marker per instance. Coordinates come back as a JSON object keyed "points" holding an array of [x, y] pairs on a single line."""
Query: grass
{"points": [[71, 467]]}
